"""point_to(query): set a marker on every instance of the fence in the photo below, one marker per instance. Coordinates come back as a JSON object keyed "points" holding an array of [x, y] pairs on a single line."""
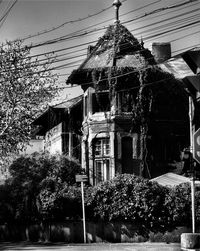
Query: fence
{"points": [[72, 232]]}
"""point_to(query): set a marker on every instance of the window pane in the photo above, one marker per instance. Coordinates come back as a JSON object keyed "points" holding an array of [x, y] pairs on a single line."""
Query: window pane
{"points": [[99, 171], [106, 147], [102, 170], [98, 149], [107, 169]]}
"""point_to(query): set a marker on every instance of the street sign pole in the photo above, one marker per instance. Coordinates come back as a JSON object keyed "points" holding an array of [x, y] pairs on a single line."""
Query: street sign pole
{"points": [[83, 209], [83, 178], [193, 203]]}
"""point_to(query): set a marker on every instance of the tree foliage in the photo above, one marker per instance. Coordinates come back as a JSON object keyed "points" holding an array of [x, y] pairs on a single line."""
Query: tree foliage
{"points": [[26, 85], [130, 198], [146, 204], [36, 184], [178, 202], [43, 188]]}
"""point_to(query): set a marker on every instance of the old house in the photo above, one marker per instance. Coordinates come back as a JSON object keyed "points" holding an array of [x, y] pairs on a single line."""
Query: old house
{"points": [[133, 114]]}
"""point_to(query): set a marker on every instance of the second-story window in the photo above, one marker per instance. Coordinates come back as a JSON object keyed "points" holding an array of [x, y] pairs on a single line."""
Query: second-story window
{"points": [[100, 102]]}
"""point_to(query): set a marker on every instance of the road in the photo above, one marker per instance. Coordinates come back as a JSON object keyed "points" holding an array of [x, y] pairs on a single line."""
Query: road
{"points": [[90, 247]]}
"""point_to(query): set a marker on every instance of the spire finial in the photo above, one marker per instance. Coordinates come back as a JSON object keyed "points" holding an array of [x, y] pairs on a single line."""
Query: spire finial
{"points": [[116, 5]]}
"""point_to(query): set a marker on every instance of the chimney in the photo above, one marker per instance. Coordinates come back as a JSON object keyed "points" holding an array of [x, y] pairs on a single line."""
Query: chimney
{"points": [[161, 51]]}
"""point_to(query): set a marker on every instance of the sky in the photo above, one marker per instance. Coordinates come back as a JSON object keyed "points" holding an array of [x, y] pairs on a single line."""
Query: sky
{"points": [[74, 24]]}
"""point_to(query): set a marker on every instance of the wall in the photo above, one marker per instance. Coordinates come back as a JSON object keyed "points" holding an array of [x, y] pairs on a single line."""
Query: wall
{"points": [[53, 140], [35, 145], [72, 232]]}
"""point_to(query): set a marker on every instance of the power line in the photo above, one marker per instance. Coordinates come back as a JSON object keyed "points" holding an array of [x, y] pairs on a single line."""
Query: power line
{"points": [[71, 64], [3, 18], [89, 43], [59, 50], [65, 23], [64, 38]]}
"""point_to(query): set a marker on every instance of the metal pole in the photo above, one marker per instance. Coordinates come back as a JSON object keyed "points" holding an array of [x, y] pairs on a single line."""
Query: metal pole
{"points": [[83, 208], [191, 164], [193, 203]]}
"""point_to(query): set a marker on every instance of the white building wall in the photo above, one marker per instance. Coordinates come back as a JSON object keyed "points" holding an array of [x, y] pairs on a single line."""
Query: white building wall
{"points": [[53, 140], [35, 145]]}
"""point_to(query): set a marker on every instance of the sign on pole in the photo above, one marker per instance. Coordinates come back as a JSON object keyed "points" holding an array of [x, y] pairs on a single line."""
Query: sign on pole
{"points": [[196, 152], [83, 178]]}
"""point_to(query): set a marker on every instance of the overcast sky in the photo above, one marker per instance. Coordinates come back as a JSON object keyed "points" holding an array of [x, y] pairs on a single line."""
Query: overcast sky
{"points": [[31, 17]]}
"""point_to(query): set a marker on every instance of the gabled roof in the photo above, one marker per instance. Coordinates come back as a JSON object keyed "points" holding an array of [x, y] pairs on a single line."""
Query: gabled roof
{"points": [[70, 103], [116, 48], [119, 45], [65, 106]]}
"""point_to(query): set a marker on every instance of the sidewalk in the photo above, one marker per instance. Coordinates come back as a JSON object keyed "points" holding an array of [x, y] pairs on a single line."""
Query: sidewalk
{"points": [[90, 247]]}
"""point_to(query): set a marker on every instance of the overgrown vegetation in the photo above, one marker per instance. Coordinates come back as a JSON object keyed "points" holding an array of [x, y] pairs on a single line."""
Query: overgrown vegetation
{"points": [[42, 188], [39, 188], [26, 88], [148, 205]]}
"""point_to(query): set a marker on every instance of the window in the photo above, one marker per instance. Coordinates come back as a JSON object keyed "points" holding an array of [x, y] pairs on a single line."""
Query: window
{"points": [[127, 101], [101, 102], [102, 148], [86, 106], [101, 160], [102, 170]]}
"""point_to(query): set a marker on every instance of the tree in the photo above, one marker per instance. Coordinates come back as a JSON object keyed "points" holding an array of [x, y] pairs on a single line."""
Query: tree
{"points": [[26, 86], [40, 184], [59, 196]]}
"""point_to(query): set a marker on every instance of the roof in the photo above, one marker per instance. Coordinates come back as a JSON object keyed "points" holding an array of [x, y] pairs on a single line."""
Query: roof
{"points": [[68, 104], [116, 48], [172, 179], [185, 66], [120, 45], [177, 66], [65, 105]]}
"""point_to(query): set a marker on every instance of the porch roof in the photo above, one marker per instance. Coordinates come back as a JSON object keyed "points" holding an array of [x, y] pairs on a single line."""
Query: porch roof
{"points": [[172, 179]]}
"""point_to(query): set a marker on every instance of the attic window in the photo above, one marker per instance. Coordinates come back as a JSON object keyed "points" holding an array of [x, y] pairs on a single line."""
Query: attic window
{"points": [[100, 102]]}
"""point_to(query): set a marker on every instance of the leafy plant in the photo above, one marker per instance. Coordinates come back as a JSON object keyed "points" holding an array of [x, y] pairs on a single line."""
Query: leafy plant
{"points": [[38, 184], [130, 198], [26, 87]]}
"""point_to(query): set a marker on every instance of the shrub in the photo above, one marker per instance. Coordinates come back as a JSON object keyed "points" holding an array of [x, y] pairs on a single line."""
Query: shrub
{"points": [[64, 202], [130, 198], [178, 203], [38, 176]]}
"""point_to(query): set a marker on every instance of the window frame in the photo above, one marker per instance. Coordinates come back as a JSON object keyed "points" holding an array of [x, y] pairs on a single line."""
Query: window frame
{"points": [[101, 159]]}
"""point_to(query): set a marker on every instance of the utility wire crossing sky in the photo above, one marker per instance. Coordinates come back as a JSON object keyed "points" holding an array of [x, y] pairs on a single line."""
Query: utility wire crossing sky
{"points": [[65, 28]]}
